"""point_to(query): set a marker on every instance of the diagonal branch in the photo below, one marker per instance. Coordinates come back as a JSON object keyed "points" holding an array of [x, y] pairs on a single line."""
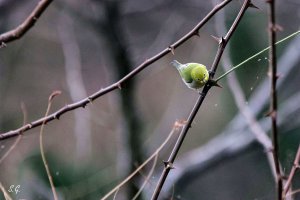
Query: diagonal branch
{"points": [[222, 44], [29, 22], [295, 167], [116, 85]]}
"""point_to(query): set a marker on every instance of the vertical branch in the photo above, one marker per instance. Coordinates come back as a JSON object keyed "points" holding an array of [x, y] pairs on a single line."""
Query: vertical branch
{"points": [[222, 44], [273, 105], [239, 97]]}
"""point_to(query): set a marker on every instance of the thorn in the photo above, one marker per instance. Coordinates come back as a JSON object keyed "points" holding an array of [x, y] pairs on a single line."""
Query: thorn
{"points": [[119, 86], [275, 27], [197, 33], [278, 76], [3, 45], [90, 100], [222, 40], [56, 116], [251, 5], [272, 114], [165, 163], [171, 48], [168, 165], [216, 38], [214, 83], [29, 125], [180, 123]]}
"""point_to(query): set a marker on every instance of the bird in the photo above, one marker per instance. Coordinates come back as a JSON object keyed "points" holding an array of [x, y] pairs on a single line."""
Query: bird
{"points": [[194, 75]]}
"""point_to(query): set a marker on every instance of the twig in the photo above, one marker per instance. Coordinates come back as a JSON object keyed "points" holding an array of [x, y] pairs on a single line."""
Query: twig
{"points": [[147, 178], [292, 173], [55, 93], [29, 22], [273, 105], [176, 126], [255, 55], [6, 195], [222, 44], [116, 85], [19, 137]]}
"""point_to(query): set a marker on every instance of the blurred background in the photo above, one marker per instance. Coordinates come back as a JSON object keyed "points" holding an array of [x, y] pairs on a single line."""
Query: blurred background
{"points": [[79, 47]]}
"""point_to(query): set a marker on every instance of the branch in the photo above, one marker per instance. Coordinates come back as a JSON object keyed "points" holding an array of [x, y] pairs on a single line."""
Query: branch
{"points": [[222, 44], [239, 97], [176, 126], [273, 105], [225, 145], [116, 85], [29, 22], [55, 93], [292, 173]]}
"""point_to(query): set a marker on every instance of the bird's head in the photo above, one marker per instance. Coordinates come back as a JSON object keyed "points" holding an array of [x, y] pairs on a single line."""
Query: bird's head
{"points": [[200, 74]]}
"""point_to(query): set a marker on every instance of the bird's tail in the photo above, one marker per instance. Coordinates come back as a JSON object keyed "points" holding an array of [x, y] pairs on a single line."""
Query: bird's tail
{"points": [[176, 64]]}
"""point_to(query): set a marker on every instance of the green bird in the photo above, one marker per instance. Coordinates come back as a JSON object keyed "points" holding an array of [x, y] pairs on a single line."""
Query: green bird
{"points": [[194, 75]]}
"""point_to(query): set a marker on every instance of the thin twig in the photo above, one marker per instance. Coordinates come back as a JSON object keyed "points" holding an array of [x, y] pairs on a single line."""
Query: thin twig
{"points": [[6, 195], [255, 55], [273, 105], [222, 44], [295, 167], [55, 93], [118, 84], [175, 127], [147, 178], [16, 142], [28, 23]]}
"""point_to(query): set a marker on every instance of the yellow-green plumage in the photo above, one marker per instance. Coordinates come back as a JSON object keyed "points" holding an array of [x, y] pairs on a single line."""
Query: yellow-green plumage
{"points": [[194, 75]]}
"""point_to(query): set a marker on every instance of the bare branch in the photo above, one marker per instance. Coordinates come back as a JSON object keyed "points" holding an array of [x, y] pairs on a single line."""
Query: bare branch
{"points": [[29, 22], [55, 93], [273, 105], [176, 126], [16, 142], [222, 44], [116, 85], [292, 173], [239, 97]]}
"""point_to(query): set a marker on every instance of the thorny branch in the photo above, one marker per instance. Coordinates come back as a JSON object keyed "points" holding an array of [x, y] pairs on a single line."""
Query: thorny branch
{"points": [[116, 85], [222, 44], [28, 23], [239, 97], [273, 105]]}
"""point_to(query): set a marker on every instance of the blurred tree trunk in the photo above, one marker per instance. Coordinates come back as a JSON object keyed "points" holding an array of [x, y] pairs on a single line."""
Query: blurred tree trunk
{"points": [[116, 46]]}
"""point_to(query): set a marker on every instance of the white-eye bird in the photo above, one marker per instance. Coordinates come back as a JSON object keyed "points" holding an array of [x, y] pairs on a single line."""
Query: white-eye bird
{"points": [[194, 75]]}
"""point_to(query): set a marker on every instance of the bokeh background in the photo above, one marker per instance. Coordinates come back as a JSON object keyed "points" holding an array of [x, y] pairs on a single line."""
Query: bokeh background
{"points": [[79, 47]]}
